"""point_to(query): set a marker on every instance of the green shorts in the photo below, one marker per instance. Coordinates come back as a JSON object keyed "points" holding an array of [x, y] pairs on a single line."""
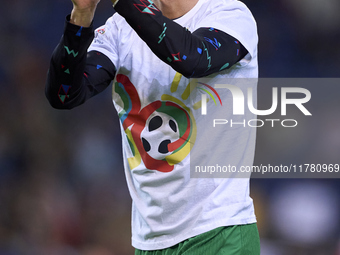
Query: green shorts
{"points": [[231, 240]]}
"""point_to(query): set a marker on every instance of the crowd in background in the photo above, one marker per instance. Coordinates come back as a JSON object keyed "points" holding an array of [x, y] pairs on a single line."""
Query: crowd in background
{"points": [[62, 185]]}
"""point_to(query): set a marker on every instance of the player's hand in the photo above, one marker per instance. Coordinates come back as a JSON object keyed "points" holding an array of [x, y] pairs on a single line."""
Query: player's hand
{"points": [[83, 12]]}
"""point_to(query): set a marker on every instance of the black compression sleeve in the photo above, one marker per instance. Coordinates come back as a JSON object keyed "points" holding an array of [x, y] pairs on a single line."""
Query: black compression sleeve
{"points": [[75, 75], [197, 54]]}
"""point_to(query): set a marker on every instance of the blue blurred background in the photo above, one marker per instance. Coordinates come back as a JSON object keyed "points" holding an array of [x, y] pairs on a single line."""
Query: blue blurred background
{"points": [[62, 185]]}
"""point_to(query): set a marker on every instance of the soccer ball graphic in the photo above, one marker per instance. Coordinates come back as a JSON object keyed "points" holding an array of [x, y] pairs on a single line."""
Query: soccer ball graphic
{"points": [[160, 130]]}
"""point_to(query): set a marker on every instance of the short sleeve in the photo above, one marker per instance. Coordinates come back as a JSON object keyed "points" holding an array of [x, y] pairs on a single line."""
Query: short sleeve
{"points": [[235, 19], [105, 40]]}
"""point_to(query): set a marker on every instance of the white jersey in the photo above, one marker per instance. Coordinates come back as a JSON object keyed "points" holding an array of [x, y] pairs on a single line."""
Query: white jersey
{"points": [[156, 109]]}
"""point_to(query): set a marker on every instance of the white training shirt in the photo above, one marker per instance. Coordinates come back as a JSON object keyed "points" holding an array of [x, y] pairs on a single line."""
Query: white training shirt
{"points": [[169, 207]]}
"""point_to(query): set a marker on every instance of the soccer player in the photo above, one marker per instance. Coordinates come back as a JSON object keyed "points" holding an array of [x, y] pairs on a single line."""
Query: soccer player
{"points": [[156, 52]]}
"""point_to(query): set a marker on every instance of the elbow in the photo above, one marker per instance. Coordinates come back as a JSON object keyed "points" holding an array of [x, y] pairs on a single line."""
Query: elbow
{"points": [[58, 102], [194, 73], [198, 71], [187, 72], [59, 105], [62, 101]]}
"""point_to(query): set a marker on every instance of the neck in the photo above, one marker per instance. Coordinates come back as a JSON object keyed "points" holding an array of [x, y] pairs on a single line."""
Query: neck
{"points": [[174, 9]]}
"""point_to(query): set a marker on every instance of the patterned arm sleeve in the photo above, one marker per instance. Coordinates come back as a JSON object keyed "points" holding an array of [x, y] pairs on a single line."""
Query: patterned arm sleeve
{"points": [[197, 54], [75, 75]]}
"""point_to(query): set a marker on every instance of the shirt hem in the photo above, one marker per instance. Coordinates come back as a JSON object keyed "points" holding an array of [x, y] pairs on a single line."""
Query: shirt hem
{"points": [[163, 245]]}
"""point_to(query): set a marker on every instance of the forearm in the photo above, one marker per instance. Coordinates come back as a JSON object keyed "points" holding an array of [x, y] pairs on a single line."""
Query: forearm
{"points": [[64, 86], [194, 54]]}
